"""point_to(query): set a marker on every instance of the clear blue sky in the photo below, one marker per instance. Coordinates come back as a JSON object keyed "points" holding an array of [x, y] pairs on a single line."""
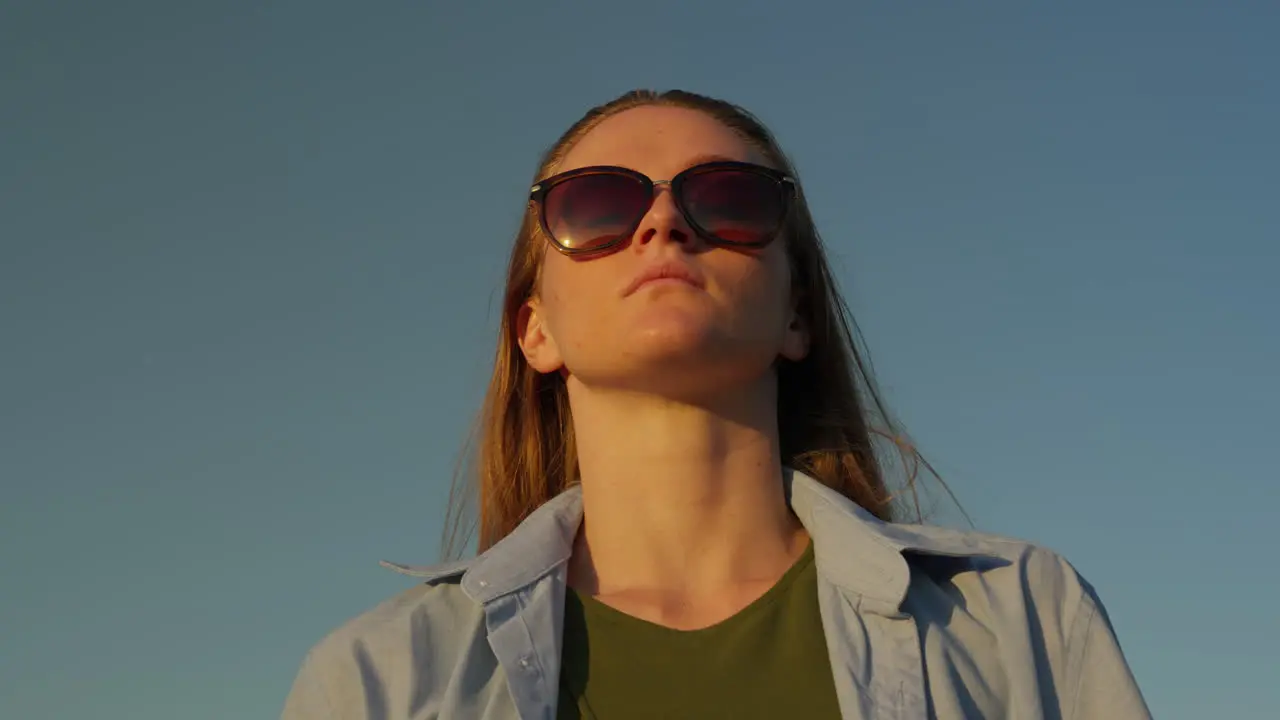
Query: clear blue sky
{"points": [[249, 255]]}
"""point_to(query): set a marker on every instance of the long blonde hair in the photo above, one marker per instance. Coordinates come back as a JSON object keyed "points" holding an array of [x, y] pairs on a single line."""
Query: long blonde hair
{"points": [[831, 417]]}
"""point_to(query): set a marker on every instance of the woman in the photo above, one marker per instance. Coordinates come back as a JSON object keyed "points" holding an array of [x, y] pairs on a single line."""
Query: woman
{"points": [[681, 511]]}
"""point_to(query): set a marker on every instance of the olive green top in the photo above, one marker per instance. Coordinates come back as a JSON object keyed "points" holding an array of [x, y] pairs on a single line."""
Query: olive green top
{"points": [[767, 661]]}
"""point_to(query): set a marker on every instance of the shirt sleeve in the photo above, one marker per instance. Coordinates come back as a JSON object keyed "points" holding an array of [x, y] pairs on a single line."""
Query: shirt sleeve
{"points": [[307, 699], [1103, 685]]}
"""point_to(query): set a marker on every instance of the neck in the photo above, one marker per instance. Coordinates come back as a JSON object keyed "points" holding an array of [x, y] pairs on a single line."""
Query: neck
{"points": [[680, 497]]}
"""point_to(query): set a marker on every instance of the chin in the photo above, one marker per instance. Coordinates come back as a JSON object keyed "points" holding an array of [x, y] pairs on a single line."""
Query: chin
{"points": [[675, 337], [683, 366], [668, 344]]}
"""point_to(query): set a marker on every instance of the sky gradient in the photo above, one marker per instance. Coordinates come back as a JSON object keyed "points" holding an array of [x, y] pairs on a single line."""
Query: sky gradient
{"points": [[250, 256]]}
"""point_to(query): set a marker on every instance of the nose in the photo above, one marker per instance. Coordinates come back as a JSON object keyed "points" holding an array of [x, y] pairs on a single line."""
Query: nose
{"points": [[663, 222]]}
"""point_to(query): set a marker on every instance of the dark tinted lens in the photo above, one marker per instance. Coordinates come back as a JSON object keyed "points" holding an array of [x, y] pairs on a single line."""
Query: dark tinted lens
{"points": [[591, 211], [734, 206]]}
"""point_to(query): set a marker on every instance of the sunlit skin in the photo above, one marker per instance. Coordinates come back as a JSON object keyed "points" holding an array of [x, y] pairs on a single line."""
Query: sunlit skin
{"points": [[672, 391]]}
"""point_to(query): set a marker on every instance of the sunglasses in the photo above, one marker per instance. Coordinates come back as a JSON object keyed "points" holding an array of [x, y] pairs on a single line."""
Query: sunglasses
{"points": [[732, 204]]}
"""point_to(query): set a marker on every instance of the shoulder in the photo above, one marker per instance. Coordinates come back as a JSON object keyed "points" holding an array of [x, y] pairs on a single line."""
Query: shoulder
{"points": [[407, 646], [436, 608], [1027, 609], [1008, 571], [999, 567], [1035, 604]]}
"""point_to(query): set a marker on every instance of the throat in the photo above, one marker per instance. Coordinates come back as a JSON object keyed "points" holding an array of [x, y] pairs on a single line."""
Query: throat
{"points": [[681, 606]]}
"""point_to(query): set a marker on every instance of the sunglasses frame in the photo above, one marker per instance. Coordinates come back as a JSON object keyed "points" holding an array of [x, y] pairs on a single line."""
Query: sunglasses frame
{"points": [[786, 188]]}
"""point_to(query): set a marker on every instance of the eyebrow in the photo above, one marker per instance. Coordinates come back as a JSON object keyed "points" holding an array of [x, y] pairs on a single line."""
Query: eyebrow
{"points": [[695, 160], [711, 157]]}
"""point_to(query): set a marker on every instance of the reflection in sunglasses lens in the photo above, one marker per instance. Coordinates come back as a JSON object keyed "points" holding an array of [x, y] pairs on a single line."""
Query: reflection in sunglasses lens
{"points": [[594, 210]]}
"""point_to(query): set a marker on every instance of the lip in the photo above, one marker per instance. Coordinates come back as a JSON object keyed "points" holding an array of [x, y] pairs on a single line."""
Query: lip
{"points": [[668, 270]]}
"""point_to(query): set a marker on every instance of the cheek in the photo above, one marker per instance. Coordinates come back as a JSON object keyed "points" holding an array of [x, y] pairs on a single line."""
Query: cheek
{"points": [[766, 283], [571, 297]]}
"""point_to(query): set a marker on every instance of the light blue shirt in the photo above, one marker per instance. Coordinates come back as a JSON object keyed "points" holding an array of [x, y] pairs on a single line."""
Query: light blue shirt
{"points": [[920, 622]]}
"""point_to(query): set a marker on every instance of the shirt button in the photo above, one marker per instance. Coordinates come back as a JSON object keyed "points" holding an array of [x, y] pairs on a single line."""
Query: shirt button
{"points": [[524, 663], [483, 583]]}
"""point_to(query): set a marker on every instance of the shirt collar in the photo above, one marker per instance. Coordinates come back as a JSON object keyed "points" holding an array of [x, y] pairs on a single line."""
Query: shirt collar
{"points": [[852, 548]]}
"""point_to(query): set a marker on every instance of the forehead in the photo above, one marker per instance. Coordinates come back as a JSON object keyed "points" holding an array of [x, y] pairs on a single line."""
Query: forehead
{"points": [[658, 141]]}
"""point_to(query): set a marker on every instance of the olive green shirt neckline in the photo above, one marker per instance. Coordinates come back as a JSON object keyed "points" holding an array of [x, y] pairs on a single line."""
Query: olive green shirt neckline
{"points": [[600, 611]]}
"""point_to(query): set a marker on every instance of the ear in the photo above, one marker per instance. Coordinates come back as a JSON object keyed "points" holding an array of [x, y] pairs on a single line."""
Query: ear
{"points": [[795, 341], [535, 340]]}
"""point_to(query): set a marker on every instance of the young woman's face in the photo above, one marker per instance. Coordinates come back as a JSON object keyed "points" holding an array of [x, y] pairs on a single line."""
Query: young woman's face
{"points": [[724, 329]]}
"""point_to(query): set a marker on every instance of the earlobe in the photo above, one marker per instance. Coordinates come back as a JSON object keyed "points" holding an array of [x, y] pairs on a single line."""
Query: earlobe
{"points": [[795, 345], [537, 345]]}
